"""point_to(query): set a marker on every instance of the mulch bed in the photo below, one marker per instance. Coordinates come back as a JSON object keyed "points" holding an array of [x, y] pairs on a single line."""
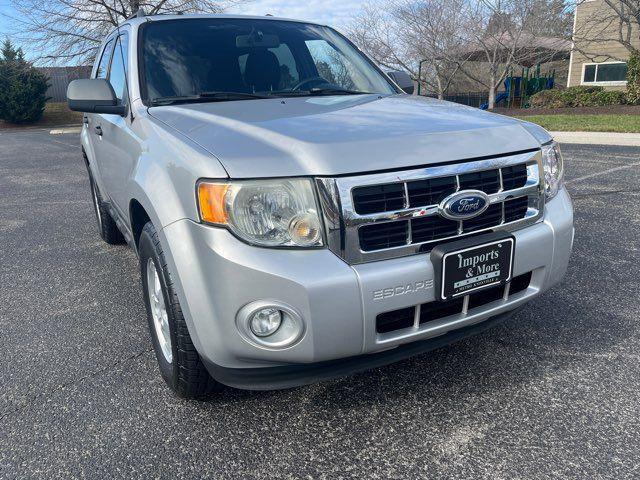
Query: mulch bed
{"points": [[608, 110], [55, 115]]}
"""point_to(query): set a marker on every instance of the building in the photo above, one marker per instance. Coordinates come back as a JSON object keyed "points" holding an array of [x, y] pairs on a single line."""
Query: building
{"points": [[59, 79], [597, 56]]}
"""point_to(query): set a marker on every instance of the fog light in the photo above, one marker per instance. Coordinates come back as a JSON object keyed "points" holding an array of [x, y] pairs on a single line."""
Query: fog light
{"points": [[270, 324], [266, 322]]}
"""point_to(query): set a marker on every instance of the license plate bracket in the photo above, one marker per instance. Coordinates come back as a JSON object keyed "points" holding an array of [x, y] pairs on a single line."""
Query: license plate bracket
{"points": [[473, 264]]}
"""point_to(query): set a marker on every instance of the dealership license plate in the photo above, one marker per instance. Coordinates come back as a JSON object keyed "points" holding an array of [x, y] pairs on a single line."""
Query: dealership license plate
{"points": [[476, 267]]}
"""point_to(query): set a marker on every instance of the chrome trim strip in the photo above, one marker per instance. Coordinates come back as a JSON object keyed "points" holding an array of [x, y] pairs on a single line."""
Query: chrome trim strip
{"points": [[416, 317], [435, 172], [331, 214], [406, 195], [336, 196]]}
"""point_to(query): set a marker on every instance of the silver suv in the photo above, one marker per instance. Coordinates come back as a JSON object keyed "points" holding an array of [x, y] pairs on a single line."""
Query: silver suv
{"points": [[297, 216]]}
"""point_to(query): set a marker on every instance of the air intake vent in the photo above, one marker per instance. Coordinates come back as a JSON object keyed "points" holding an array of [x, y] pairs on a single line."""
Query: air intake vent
{"points": [[404, 317], [426, 229], [514, 177], [490, 218], [383, 235], [515, 209], [379, 198], [488, 181], [395, 320], [430, 191]]}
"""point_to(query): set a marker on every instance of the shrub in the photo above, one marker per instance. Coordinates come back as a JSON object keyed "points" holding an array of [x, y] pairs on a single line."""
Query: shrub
{"points": [[22, 87], [584, 89], [592, 96], [633, 78], [547, 99]]}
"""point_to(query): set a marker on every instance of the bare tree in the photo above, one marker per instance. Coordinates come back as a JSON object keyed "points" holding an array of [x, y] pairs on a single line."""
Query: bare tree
{"points": [[412, 36], [452, 37], [504, 34], [70, 31], [618, 22]]}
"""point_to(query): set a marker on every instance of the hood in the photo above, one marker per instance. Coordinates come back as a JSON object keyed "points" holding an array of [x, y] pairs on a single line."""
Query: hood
{"points": [[338, 135]]}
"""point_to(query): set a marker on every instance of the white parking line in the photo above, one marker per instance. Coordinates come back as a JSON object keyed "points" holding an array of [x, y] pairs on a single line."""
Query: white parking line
{"points": [[598, 174]]}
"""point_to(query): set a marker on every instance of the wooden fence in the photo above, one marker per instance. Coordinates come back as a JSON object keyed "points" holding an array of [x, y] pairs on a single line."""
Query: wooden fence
{"points": [[59, 79]]}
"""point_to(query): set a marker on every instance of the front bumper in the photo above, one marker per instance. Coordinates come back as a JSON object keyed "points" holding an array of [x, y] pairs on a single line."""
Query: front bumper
{"points": [[216, 274]]}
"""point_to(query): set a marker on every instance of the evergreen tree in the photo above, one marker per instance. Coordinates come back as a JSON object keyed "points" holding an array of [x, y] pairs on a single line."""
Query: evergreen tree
{"points": [[633, 78], [22, 87]]}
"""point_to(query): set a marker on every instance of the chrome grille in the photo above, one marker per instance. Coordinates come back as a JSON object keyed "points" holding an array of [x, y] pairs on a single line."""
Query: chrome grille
{"points": [[486, 180], [386, 215], [430, 191], [379, 198]]}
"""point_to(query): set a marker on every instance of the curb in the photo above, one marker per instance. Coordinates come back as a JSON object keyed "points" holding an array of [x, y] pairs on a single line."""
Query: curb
{"points": [[598, 138], [62, 131]]}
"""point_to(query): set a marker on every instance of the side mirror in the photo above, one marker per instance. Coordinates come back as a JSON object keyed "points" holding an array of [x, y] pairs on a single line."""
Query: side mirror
{"points": [[403, 80], [93, 95]]}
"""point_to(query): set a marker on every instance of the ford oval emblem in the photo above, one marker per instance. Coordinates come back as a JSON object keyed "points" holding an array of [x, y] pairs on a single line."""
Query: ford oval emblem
{"points": [[464, 204]]}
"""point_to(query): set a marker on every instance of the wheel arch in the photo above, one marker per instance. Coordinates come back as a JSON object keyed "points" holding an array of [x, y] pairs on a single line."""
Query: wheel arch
{"points": [[138, 218]]}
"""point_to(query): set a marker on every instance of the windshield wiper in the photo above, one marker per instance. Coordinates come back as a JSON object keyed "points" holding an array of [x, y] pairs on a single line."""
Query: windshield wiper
{"points": [[232, 95], [318, 92], [334, 91], [206, 97]]}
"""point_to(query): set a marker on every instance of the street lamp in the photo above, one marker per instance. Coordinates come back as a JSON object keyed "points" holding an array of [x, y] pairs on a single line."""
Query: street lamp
{"points": [[420, 75]]}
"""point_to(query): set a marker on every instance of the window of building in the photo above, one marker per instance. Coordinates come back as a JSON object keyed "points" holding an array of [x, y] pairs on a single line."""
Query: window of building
{"points": [[608, 73]]}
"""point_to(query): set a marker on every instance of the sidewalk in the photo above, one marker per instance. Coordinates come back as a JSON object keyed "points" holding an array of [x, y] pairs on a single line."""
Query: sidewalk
{"points": [[598, 138]]}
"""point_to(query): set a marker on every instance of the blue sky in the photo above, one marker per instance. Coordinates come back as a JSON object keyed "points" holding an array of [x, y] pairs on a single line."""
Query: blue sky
{"points": [[337, 13], [4, 7]]}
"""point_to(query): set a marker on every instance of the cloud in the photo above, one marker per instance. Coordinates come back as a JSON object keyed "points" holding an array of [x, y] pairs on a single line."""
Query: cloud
{"points": [[335, 13]]}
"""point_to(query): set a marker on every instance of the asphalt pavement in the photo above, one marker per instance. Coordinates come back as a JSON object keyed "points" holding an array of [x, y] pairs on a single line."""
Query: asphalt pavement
{"points": [[554, 392]]}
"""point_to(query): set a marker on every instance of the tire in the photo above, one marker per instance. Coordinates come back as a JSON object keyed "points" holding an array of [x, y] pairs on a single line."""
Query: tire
{"points": [[179, 363], [107, 227]]}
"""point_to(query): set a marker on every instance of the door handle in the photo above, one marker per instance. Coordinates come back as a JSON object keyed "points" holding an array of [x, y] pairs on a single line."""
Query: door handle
{"points": [[98, 130]]}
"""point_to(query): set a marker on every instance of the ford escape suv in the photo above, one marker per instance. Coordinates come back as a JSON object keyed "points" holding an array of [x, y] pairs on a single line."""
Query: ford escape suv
{"points": [[296, 215]]}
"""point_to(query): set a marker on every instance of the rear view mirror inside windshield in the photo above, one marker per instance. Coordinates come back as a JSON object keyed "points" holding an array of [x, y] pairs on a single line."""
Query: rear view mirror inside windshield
{"points": [[257, 39]]}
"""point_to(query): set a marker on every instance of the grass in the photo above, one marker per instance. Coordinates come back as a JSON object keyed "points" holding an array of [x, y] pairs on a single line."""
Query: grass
{"points": [[587, 123], [55, 115]]}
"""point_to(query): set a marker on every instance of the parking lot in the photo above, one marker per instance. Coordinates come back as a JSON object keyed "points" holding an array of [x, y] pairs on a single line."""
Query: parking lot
{"points": [[554, 392]]}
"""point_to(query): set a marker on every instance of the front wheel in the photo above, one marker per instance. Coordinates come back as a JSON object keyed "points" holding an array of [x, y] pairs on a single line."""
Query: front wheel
{"points": [[179, 362]]}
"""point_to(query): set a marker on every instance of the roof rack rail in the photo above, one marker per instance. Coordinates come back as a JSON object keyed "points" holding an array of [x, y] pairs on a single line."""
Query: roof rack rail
{"points": [[137, 14]]}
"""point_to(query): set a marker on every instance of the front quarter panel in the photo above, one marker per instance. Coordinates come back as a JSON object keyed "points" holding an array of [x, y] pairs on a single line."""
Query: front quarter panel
{"points": [[165, 176]]}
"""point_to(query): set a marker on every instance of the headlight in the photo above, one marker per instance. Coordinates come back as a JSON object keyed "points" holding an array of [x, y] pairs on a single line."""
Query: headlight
{"points": [[553, 169], [270, 213]]}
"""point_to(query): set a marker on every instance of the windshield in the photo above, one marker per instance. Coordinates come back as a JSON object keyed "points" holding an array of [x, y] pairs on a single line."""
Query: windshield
{"points": [[237, 59]]}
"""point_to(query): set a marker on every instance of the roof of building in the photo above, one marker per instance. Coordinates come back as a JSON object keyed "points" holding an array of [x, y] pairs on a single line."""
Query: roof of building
{"points": [[530, 51]]}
